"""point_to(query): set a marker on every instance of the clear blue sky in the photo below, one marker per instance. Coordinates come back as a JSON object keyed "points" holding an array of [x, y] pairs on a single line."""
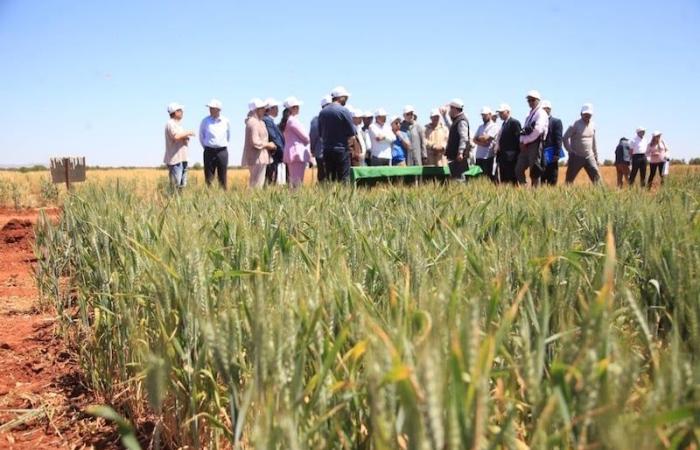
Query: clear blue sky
{"points": [[94, 78]]}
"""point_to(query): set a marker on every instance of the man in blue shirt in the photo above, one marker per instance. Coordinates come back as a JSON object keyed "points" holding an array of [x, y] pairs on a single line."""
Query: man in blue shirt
{"points": [[337, 128], [275, 136]]}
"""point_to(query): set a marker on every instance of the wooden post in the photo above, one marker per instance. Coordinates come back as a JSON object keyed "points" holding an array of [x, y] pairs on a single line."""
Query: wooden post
{"points": [[66, 161]]}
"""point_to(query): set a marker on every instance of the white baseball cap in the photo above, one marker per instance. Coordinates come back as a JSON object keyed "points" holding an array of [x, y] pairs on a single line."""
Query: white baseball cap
{"points": [[547, 104], [409, 109], [435, 112], [641, 129], [457, 103], [395, 118], [356, 113], [534, 94], [368, 114], [486, 110], [256, 103], [587, 109], [339, 91], [656, 133], [214, 103], [271, 102], [503, 107], [291, 102], [174, 106], [326, 100], [381, 112]]}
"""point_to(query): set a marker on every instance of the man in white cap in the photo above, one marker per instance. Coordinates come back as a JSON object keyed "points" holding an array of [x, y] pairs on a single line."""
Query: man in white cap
{"points": [[552, 147], [317, 143], [531, 140], [436, 140], [418, 152], [359, 150], [580, 142], [257, 145], [337, 129], [275, 172], [484, 140], [507, 145], [458, 140], [382, 137], [214, 136], [638, 147], [176, 140]]}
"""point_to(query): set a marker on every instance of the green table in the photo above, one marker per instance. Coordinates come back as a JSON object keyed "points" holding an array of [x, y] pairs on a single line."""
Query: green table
{"points": [[411, 174]]}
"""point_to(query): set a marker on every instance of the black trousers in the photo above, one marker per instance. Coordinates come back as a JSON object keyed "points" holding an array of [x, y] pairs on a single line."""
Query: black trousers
{"points": [[639, 165], [457, 168], [486, 165], [271, 173], [216, 162], [653, 168], [551, 174], [321, 170], [506, 171], [337, 164]]}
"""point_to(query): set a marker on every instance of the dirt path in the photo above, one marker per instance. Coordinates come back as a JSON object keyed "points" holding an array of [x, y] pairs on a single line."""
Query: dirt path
{"points": [[41, 391]]}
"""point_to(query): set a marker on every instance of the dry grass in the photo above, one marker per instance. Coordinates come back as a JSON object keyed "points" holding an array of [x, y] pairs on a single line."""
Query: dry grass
{"points": [[29, 189]]}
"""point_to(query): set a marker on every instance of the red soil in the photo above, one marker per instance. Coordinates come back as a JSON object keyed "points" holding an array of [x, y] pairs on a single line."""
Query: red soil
{"points": [[38, 373]]}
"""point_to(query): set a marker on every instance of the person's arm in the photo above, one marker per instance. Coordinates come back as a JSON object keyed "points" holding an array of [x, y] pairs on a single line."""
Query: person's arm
{"points": [[202, 128], [228, 132], [256, 136], [558, 130], [567, 138], [537, 129], [313, 136], [177, 133], [298, 129], [463, 139], [595, 146]]}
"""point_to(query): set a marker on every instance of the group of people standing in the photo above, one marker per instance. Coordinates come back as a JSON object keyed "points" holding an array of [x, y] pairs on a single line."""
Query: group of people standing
{"points": [[633, 156], [341, 136]]}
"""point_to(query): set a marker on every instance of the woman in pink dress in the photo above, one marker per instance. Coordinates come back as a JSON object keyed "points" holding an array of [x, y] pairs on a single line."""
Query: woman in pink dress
{"points": [[296, 143]]}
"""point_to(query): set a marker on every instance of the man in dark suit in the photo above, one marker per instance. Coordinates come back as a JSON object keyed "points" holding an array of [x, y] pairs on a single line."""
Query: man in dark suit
{"points": [[508, 145], [552, 147]]}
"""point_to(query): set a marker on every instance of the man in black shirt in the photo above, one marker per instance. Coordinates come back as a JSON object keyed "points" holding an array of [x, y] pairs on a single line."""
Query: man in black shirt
{"points": [[507, 145], [336, 127]]}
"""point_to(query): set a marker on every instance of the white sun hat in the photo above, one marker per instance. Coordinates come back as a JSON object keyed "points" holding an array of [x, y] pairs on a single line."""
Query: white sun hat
{"points": [[256, 103], [435, 112], [486, 110], [381, 112], [339, 91], [409, 109], [326, 100], [503, 107], [534, 94], [457, 103], [587, 109], [214, 103], [547, 104], [271, 102], [291, 102], [174, 106]]}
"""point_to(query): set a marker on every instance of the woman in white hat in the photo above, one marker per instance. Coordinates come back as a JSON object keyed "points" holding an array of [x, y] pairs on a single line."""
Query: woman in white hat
{"points": [[657, 152], [256, 147], [296, 142]]}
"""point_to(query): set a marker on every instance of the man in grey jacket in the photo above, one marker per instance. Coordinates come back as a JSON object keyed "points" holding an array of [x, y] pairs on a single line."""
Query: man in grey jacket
{"points": [[418, 152], [580, 142]]}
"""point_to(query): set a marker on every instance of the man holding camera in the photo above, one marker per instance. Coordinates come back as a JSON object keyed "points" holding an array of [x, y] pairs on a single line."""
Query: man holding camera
{"points": [[531, 138]]}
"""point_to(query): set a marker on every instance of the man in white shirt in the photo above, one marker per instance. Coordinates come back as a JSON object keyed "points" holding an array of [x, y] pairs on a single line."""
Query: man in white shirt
{"points": [[358, 159], [638, 148], [214, 135], [176, 140], [531, 140], [381, 136], [484, 140]]}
